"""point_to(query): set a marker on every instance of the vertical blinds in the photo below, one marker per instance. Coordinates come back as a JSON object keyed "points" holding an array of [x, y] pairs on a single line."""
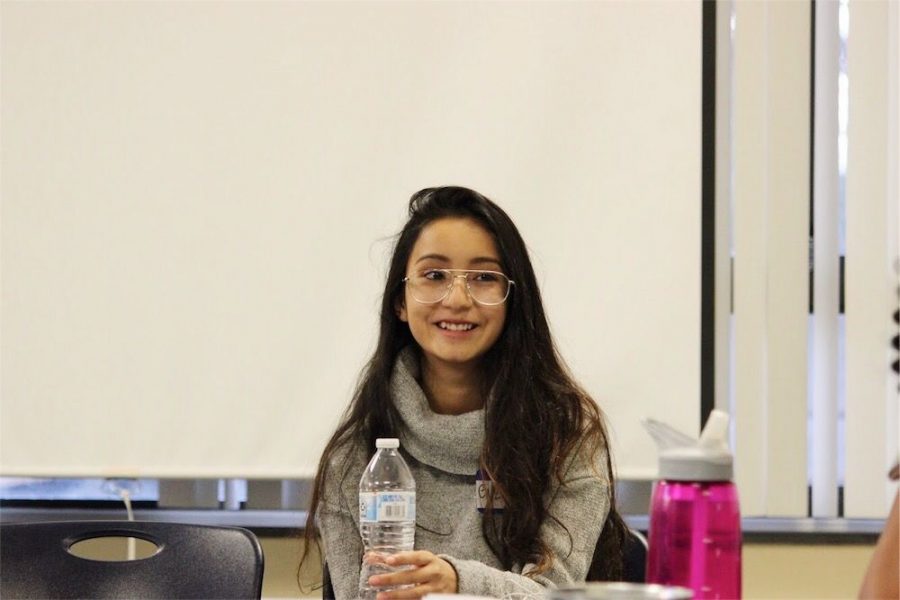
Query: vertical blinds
{"points": [[770, 233], [789, 369]]}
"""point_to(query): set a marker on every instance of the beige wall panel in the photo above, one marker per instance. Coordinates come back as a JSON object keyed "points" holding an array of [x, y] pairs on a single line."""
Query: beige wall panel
{"points": [[787, 285], [771, 221], [751, 209], [871, 295]]}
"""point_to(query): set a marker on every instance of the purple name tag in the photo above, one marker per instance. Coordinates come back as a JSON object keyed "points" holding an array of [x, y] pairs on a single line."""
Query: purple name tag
{"points": [[484, 489]]}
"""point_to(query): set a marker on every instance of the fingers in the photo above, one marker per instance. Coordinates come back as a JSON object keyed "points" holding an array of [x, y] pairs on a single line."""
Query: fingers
{"points": [[419, 561], [428, 574], [374, 558], [405, 577], [416, 558]]}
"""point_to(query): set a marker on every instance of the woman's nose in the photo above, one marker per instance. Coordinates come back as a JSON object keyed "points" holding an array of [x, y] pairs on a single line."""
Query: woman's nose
{"points": [[458, 294]]}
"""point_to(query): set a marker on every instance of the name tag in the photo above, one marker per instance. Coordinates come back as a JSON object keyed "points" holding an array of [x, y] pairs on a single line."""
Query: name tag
{"points": [[484, 489]]}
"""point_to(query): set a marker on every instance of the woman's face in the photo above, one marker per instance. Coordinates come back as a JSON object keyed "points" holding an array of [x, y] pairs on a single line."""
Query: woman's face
{"points": [[457, 331]]}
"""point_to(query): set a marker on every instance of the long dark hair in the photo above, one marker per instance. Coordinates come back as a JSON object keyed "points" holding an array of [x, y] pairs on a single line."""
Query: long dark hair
{"points": [[533, 423]]}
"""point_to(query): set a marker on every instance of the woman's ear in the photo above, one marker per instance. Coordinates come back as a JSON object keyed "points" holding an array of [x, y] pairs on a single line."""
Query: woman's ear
{"points": [[400, 309]]}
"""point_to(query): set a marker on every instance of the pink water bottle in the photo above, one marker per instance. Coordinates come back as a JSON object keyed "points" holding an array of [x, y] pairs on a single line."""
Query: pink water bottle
{"points": [[695, 520]]}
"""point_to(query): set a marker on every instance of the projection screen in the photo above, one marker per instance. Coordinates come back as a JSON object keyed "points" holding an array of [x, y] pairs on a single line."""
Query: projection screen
{"points": [[198, 201]]}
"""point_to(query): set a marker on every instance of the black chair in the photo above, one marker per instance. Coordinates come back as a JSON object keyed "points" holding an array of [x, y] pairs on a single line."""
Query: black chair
{"points": [[635, 557], [191, 561], [635, 563], [327, 587]]}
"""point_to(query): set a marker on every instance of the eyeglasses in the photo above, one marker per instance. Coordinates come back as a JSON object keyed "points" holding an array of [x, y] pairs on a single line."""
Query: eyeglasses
{"points": [[433, 285]]}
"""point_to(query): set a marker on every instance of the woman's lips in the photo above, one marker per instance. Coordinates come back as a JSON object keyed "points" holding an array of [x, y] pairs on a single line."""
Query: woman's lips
{"points": [[456, 326]]}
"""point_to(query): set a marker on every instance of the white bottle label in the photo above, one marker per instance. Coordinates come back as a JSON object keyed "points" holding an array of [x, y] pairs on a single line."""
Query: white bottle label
{"points": [[386, 507]]}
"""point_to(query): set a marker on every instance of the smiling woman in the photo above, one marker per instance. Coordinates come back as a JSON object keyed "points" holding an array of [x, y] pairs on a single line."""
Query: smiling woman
{"points": [[467, 376]]}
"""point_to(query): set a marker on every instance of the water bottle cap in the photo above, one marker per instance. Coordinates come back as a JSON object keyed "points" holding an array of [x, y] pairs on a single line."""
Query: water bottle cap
{"points": [[387, 443], [695, 464]]}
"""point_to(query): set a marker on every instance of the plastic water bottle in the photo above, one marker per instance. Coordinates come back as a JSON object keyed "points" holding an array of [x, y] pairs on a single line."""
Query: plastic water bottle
{"points": [[387, 512], [695, 521]]}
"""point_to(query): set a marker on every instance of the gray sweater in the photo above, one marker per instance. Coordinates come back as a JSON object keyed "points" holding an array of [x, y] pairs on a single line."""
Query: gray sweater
{"points": [[443, 452]]}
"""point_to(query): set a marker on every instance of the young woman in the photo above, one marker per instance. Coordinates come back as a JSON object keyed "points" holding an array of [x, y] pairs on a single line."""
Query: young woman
{"points": [[466, 375]]}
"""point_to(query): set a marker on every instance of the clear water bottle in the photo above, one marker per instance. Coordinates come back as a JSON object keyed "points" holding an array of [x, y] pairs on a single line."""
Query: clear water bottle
{"points": [[387, 512], [695, 520]]}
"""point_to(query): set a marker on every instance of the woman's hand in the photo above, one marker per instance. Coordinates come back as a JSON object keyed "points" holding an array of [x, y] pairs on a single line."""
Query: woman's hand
{"points": [[429, 575]]}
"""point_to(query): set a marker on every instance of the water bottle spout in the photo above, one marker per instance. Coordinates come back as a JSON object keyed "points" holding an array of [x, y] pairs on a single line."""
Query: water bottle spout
{"points": [[666, 436], [715, 433]]}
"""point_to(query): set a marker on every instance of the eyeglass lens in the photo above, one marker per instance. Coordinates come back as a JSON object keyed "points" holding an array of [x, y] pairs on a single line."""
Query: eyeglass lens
{"points": [[433, 285]]}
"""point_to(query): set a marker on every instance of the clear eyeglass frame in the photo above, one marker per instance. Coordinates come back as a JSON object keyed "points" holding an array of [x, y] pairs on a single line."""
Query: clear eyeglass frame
{"points": [[453, 275]]}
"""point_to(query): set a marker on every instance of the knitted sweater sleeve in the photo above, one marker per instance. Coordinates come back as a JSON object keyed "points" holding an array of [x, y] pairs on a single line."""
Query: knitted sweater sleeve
{"points": [[338, 521], [580, 504]]}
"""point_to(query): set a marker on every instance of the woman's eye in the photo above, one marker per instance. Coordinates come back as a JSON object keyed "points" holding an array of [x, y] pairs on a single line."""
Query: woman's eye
{"points": [[486, 277], [434, 275]]}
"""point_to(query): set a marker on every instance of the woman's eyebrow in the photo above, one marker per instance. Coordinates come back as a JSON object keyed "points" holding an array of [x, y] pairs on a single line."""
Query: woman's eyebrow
{"points": [[432, 257], [480, 260]]}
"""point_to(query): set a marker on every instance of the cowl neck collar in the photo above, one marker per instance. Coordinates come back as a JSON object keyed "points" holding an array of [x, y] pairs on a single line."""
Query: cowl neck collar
{"points": [[451, 443]]}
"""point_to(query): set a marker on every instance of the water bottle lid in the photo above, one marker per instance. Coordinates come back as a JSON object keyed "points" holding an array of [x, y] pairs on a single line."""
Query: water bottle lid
{"points": [[387, 443], [695, 464]]}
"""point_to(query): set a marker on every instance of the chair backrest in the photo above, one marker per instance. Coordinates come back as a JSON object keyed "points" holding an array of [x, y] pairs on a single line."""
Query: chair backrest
{"points": [[635, 558], [191, 561]]}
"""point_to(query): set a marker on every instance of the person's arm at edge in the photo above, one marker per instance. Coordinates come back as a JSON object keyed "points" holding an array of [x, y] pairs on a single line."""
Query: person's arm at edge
{"points": [[882, 578]]}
